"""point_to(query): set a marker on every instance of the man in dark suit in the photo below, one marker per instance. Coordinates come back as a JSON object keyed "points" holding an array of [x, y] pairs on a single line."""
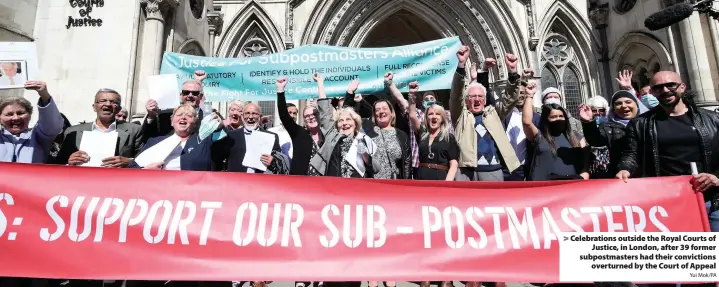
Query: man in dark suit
{"points": [[159, 123], [234, 148], [129, 136]]}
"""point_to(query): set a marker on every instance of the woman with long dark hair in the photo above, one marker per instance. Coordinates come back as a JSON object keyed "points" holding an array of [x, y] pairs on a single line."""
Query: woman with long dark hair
{"points": [[560, 152]]}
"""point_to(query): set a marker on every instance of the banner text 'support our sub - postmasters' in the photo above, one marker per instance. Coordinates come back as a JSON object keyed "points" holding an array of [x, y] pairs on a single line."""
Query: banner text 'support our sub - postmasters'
{"points": [[254, 78], [198, 226]]}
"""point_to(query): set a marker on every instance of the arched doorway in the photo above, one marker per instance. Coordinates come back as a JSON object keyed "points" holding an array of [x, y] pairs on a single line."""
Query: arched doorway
{"points": [[400, 28], [486, 26]]}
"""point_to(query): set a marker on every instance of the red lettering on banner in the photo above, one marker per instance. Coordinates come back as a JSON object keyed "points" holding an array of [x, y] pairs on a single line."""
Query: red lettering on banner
{"points": [[222, 226]]}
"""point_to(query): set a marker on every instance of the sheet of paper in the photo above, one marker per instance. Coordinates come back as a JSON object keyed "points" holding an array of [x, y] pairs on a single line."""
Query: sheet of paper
{"points": [[159, 152], [164, 90], [258, 144], [354, 157], [98, 146]]}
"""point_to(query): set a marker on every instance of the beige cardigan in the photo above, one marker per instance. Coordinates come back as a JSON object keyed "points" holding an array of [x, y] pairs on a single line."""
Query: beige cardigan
{"points": [[464, 123]]}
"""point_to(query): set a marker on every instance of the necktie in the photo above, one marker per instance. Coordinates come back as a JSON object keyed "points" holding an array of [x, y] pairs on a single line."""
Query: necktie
{"points": [[12, 82]]}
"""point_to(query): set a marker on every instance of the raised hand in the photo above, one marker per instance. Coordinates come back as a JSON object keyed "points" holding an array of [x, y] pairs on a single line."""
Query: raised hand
{"points": [[585, 113], [152, 109], [388, 77], [352, 87], [281, 84], [200, 75], [38, 86], [358, 98], [511, 60], [489, 63], [413, 89], [530, 89], [528, 73], [624, 79], [462, 56], [318, 78]]}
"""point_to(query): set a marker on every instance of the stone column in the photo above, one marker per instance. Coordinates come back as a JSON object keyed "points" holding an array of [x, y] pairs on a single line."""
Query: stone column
{"points": [[695, 53], [600, 15], [153, 44], [215, 22]]}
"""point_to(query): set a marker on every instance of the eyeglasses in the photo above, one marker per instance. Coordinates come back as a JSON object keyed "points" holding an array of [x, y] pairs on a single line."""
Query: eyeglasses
{"points": [[670, 86], [194, 93], [107, 102], [475, 96]]}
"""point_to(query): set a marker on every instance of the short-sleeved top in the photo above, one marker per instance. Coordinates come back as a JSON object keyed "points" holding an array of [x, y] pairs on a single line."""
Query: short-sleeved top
{"points": [[568, 161]]}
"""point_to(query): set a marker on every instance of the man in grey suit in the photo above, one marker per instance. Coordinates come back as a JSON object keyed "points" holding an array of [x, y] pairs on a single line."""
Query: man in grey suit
{"points": [[129, 136]]}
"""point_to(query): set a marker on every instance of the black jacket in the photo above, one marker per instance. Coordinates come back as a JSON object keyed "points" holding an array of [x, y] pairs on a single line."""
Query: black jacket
{"points": [[641, 158], [302, 141], [610, 134]]}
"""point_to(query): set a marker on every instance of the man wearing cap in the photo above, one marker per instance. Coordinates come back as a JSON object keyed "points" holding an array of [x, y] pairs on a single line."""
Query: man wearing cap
{"points": [[552, 95]]}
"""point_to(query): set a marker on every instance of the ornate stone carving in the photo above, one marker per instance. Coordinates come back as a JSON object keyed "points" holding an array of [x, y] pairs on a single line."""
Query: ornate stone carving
{"points": [[556, 50], [255, 46], [290, 26], [600, 16], [215, 21], [155, 9], [530, 19], [624, 6]]}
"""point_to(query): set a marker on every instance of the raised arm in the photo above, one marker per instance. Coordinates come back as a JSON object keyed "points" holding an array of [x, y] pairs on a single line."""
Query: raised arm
{"points": [[456, 94], [389, 83], [323, 105], [592, 134], [413, 117], [290, 125], [49, 123], [510, 95], [530, 131]]}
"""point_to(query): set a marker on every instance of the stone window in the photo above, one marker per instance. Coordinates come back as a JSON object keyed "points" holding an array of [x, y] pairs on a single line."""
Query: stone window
{"points": [[560, 70]]}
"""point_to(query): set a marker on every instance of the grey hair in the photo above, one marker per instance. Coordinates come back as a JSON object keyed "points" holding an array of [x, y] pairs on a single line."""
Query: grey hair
{"points": [[15, 100], [108, 91], [196, 82], [475, 84]]}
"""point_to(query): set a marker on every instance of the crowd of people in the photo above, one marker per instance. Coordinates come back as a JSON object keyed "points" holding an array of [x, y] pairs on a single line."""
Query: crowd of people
{"points": [[657, 131]]}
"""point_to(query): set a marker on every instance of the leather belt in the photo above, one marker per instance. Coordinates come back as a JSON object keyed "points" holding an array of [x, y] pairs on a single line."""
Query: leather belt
{"points": [[435, 166]]}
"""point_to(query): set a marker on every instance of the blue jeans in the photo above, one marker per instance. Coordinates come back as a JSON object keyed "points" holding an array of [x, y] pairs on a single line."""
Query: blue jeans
{"points": [[713, 217]]}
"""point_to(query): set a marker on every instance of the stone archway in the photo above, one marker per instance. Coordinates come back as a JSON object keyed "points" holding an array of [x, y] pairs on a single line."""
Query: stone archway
{"points": [[644, 55], [485, 25]]}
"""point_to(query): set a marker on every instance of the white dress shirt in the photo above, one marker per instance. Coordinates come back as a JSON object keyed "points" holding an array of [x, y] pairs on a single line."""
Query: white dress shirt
{"points": [[172, 162], [111, 128]]}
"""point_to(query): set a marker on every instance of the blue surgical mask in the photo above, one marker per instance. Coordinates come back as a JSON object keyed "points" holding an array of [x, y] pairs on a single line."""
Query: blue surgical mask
{"points": [[428, 103], [649, 101], [552, 101], [599, 120]]}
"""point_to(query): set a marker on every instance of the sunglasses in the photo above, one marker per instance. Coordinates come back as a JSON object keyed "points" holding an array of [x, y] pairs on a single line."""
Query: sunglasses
{"points": [[670, 86], [194, 93]]}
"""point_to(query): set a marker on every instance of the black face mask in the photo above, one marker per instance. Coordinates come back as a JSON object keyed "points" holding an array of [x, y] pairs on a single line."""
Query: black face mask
{"points": [[557, 127]]}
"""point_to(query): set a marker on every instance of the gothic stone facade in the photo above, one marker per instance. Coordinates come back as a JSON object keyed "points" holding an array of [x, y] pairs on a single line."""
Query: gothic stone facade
{"points": [[575, 45]]}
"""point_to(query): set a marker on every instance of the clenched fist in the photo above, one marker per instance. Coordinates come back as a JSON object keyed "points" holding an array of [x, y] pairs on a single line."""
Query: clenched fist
{"points": [[462, 56], [281, 84], [511, 61], [200, 75]]}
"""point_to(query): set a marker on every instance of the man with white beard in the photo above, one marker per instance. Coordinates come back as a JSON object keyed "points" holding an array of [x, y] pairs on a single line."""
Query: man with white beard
{"points": [[241, 140]]}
